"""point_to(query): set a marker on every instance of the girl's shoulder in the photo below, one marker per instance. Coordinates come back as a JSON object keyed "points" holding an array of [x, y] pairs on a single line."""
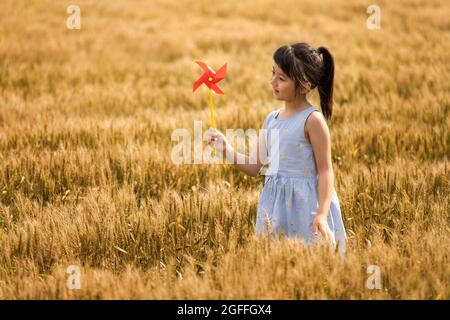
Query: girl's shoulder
{"points": [[316, 123]]}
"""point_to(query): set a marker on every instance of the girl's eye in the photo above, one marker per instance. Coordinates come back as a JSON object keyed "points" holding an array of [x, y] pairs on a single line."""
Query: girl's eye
{"points": [[273, 72]]}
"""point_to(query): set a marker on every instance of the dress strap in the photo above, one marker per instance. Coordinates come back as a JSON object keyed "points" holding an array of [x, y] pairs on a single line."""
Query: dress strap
{"points": [[270, 116], [312, 109], [277, 112]]}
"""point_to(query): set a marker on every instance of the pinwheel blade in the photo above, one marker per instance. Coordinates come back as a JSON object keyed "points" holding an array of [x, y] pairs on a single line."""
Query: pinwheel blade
{"points": [[220, 74], [204, 66], [214, 88], [203, 78]]}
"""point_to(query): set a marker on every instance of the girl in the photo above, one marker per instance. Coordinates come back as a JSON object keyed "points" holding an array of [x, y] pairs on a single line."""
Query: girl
{"points": [[298, 198]]}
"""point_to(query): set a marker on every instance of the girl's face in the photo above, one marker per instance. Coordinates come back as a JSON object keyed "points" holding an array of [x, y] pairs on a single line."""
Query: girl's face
{"points": [[283, 86]]}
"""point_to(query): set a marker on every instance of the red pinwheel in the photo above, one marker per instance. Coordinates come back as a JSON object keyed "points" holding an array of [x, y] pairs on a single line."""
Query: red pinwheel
{"points": [[210, 77]]}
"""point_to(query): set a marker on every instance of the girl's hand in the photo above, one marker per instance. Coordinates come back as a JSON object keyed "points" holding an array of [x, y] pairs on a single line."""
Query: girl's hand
{"points": [[320, 224], [217, 139]]}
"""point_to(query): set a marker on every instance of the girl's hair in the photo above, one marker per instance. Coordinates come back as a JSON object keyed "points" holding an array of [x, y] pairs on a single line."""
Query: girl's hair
{"points": [[302, 63]]}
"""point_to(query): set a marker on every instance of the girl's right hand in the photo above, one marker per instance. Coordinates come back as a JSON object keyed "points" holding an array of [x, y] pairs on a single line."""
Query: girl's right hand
{"points": [[320, 224], [217, 139]]}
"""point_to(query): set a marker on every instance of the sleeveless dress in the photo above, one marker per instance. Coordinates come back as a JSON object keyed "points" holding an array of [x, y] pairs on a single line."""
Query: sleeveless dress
{"points": [[289, 199]]}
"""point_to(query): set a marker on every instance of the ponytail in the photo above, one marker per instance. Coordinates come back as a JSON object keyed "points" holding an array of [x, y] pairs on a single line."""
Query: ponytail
{"points": [[325, 85]]}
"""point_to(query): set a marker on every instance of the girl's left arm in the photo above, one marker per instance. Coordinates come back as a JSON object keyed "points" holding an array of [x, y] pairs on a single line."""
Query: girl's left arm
{"points": [[319, 136]]}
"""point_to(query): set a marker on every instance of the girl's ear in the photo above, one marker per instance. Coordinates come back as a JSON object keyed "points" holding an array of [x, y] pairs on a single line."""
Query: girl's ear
{"points": [[304, 90], [308, 87]]}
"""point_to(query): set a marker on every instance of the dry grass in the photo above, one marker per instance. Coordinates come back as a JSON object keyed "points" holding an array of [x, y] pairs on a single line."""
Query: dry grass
{"points": [[86, 179]]}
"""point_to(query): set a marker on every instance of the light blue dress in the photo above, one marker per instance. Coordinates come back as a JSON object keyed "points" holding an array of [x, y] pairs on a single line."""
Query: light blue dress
{"points": [[289, 199]]}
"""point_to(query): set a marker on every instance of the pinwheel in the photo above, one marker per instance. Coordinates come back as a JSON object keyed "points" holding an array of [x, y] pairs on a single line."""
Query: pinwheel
{"points": [[210, 78]]}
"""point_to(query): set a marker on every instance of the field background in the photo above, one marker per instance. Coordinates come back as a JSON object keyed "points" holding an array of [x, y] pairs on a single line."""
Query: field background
{"points": [[86, 179]]}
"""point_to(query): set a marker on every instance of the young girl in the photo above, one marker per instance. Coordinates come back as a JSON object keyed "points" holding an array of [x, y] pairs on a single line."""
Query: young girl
{"points": [[298, 198]]}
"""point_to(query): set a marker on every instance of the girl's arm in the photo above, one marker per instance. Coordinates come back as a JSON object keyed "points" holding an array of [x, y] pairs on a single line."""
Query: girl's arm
{"points": [[248, 164], [253, 163], [319, 135]]}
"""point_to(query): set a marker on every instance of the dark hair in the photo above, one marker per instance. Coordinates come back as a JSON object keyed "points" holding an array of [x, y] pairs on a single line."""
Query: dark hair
{"points": [[302, 63]]}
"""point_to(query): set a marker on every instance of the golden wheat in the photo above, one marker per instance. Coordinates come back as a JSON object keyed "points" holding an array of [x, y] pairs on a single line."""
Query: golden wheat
{"points": [[86, 177]]}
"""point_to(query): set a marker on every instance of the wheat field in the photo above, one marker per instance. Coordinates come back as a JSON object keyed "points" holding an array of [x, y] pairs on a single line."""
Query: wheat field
{"points": [[86, 177]]}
